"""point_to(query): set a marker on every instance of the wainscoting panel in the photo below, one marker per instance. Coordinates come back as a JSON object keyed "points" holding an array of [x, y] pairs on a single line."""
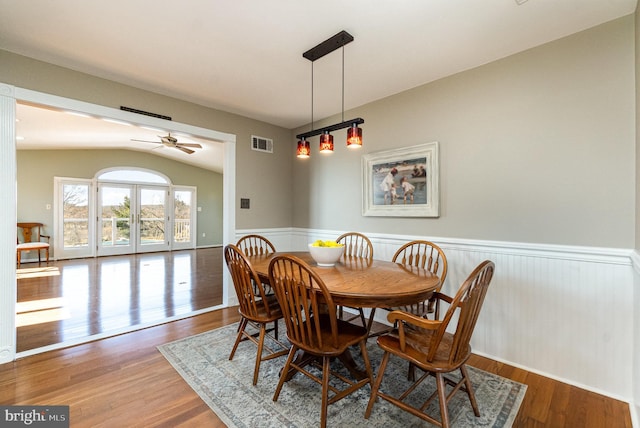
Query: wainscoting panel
{"points": [[564, 312]]}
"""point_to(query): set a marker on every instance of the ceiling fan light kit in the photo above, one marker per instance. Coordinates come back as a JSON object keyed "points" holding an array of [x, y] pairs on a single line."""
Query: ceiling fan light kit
{"points": [[354, 133]]}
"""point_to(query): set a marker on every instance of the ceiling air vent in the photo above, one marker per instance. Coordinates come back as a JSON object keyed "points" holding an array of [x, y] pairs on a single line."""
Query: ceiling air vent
{"points": [[262, 144]]}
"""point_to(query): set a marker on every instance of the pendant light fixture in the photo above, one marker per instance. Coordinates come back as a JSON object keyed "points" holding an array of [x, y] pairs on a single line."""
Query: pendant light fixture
{"points": [[354, 133], [304, 150], [326, 142]]}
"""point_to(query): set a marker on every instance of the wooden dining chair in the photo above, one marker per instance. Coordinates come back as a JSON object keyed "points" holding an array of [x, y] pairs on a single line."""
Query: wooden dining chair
{"points": [[430, 347], [32, 240], [356, 246], [425, 255], [257, 245], [254, 245], [255, 307], [313, 327]]}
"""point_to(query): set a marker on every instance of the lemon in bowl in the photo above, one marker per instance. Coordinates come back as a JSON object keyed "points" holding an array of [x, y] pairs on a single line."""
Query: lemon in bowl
{"points": [[326, 253]]}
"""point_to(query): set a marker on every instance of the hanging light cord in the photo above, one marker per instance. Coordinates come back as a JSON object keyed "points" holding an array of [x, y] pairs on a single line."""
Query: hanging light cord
{"points": [[343, 83], [312, 95]]}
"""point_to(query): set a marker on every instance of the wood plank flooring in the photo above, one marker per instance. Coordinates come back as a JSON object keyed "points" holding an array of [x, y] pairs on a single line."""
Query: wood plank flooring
{"points": [[74, 299], [124, 381]]}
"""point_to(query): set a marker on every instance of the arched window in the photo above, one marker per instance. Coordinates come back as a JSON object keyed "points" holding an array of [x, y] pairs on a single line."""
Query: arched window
{"points": [[132, 175]]}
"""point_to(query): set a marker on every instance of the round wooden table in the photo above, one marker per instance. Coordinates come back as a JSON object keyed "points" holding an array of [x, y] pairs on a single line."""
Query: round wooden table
{"points": [[358, 282], [363, 283]]}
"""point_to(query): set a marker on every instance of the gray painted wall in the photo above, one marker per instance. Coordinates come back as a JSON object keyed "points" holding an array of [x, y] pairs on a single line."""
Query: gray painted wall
{"points": [[538, 147]]}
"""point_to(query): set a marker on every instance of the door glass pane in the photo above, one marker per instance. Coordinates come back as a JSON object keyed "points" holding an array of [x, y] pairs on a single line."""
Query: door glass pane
{"points": [[182, 216], [152, 202], [75, 215], [116, 209]]}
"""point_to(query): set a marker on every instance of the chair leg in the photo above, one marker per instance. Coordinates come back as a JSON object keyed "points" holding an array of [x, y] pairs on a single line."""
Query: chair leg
{"points": [[325, 391], [39, 260], [241, 327], [367, 362], [376, 385], [285, 371], [411, 373], [470, 393], [370, 323], [362, 318], [256, 370], [47, 254], [442, 397]]}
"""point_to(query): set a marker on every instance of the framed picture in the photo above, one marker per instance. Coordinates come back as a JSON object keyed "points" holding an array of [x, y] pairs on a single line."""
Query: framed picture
{"points": [[401, 182]]}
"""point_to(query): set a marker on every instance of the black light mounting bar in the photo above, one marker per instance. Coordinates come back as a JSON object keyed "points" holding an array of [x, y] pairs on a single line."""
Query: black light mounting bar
{"points": [[330, 128], [328, 46]]}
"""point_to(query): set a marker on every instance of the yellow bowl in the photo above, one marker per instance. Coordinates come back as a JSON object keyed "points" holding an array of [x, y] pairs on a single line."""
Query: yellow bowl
{"points": [[326, 256]]}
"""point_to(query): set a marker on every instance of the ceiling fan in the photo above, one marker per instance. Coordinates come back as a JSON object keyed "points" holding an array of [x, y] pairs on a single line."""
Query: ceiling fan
{"points": [[170, 141]]}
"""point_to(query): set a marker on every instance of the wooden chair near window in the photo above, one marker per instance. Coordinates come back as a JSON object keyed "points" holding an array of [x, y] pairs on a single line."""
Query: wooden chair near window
{"points": [[356, 245], [428, 346], [255, 245], [255, 307], [32, 240], [313, 327]]}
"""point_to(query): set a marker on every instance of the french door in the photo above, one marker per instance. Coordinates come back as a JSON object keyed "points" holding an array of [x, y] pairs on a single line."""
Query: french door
{"points": [[74, 211], [132, 218], [122, 218]]}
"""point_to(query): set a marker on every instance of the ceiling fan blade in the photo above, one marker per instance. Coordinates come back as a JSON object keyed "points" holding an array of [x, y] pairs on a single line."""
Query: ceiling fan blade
{"points": [[197, 146], [146, 141], [187, 151]]}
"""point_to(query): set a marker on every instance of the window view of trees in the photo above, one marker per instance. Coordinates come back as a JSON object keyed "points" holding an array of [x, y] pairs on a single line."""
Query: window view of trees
{"points": [[75, 201], [182, 216], [116, 227]]}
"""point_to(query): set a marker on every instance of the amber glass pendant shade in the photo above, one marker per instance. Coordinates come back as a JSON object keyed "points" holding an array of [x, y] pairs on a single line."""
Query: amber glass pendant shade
{"points": [[326, 143], [304, 149], [354, 137]]}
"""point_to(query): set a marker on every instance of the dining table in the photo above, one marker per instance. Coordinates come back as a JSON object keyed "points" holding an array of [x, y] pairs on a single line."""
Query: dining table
{"points": [[364, 283]]}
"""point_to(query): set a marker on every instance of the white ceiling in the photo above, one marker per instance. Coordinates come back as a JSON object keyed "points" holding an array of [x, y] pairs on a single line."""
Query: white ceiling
{"points": [[40, 128], [245, 56]]}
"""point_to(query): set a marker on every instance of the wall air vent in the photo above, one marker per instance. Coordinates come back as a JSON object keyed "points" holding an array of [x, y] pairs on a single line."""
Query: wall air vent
{"points": [[262, 144]]}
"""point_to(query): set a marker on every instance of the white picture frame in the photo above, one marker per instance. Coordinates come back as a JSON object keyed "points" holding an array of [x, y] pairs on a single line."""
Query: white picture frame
{"points": [[384, 174]]}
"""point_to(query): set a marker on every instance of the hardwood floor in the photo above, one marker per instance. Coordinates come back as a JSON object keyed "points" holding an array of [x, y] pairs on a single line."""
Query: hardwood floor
{"points": [[70, 300], [124, 381]]}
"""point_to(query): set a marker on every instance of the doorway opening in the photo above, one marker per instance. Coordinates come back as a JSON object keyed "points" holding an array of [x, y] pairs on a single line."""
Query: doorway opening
{"points": [[12, 95]]}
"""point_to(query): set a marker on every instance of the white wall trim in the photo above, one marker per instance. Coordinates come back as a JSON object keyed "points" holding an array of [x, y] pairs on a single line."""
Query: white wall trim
{"points": [[8, 230], [635, 260]]}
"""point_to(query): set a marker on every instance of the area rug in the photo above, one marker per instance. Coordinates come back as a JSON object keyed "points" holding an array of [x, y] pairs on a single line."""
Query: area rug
{"points": [[226, 386]]}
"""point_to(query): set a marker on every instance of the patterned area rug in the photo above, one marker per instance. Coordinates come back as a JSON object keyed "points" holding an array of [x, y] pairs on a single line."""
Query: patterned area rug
{"points": [[226, 386]]}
